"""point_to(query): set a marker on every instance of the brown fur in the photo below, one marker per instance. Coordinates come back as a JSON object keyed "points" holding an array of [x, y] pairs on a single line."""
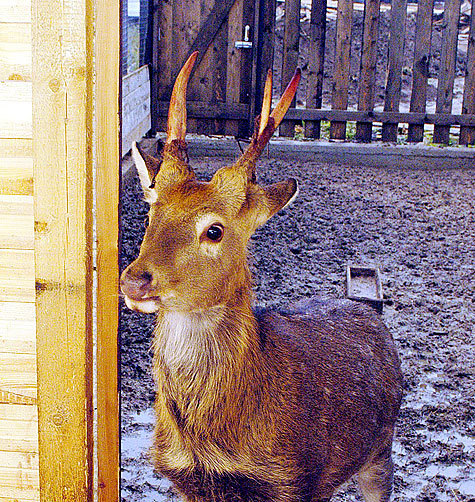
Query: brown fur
{"points": [[257, 406]]}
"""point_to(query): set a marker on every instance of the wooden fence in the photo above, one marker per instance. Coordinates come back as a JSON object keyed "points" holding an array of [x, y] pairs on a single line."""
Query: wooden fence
{"points": [[351, 77], [391, 71]]}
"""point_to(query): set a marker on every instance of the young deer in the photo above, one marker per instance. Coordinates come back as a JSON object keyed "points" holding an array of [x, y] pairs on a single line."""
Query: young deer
{"points": [[252, 405]]}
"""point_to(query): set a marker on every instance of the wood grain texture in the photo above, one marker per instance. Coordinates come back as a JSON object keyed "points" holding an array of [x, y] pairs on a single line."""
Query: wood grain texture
{"points": [[341, 74], [420, 70], [448, 54], [395, 62], [62, 133], [367, 80], [290, 55], [316, 63], [108, 91], [467, 134], [16, 176], [15, 11], [15, 103], [15, 41]]}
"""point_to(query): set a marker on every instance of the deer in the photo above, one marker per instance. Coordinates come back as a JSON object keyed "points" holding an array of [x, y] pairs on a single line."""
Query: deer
{"points": [[252, 404]]}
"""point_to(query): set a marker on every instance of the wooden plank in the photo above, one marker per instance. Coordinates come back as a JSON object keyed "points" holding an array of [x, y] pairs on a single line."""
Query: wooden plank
{"points": [[17, 276], [16, 176], [135, 108], [18, 374], [367, 80], [108, 90], [317, 34], [290, 56], [448, 55], [62, 132], [16, 147], [17, 205], [10, 444], [246, 71], [14, 459], [213, 67], [420, 69], [17, 311], [27, 429], [233, 63], [341, 75], [16, 232], [19, 478], [135, 134], [15, 103], [210, 27], [263, 49], [15, 11], [162, 60], [17, 337], [134, 80], [199, 109], [16, 412], [15, 46], [17, 328], [384, 117], [467, 134], [15, 495], [395, 62]]}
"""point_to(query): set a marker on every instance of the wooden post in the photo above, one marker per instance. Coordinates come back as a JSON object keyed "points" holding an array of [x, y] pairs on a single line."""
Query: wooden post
{"points": [[108, 148], [448, 56], [265, 48], [467, 134], [368, 67], [341, 78], [62, 132], [420, 69], [395, 60], [316, 62], [290, 56]]}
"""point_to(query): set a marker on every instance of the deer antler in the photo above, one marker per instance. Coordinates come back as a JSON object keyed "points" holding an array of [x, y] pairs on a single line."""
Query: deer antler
{"points": [[174, 167], [268, 123], [176, 129]]}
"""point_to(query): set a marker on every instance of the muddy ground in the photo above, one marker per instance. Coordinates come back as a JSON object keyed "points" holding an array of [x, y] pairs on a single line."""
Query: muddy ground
{"points": [[418, 226]]}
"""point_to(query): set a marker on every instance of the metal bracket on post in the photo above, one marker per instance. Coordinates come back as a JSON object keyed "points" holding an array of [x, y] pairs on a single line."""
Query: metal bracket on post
{"points": [[246, 43]]}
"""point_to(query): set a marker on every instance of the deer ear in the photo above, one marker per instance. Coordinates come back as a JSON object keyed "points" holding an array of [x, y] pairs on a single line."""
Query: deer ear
{"points": [[147, 169], [275, 197], [280, 195]]}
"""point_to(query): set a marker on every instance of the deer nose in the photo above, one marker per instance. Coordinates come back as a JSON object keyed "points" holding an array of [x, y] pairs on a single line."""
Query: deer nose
{"points": [[136, 286]]}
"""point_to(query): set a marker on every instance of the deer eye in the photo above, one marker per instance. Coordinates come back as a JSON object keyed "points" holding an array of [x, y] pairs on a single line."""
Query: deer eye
{"points": [[215, 232]]}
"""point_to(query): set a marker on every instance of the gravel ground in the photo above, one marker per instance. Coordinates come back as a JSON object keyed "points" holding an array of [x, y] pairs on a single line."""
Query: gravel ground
{"points": [[418, 226]]}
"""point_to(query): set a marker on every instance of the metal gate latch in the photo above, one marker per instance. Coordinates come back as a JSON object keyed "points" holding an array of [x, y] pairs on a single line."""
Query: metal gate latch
{"points": [[246, 43]]}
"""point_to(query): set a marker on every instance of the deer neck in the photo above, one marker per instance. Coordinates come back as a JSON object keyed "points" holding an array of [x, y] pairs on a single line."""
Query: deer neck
{"points": [[195, 344]]}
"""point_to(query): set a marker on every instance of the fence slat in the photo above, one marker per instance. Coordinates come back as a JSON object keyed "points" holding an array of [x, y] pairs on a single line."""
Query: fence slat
{"points": [[395, 60], [62, 132], [467, 134], [341, 77], [448, 55], [368, 67], [290, 56], [265, 49], [316, 62], [420, 69], [108, 91]]}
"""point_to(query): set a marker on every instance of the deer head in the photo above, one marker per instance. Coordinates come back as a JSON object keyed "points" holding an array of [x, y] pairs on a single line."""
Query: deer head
{"points": [[193, 256]]}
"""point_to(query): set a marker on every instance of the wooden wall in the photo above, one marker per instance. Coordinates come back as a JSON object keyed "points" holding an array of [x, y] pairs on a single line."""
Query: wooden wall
{"points": [[19, 475], [47, 249]]}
